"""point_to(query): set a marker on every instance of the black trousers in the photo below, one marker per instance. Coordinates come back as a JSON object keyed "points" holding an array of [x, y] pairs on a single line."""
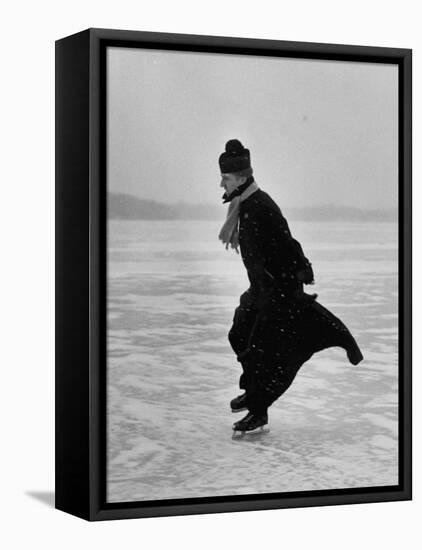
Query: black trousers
{"points": [[272, 341]]}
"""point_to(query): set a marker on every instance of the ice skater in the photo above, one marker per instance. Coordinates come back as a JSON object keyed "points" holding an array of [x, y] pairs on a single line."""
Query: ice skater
{"points": [[277, 326]]}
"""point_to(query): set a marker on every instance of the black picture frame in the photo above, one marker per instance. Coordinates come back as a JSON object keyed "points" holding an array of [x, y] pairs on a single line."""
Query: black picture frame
{"points": [[81, 273]]}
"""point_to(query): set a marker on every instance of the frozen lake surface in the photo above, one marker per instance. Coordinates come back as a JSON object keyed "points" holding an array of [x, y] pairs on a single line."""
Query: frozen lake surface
{"points": [[172, 291]]}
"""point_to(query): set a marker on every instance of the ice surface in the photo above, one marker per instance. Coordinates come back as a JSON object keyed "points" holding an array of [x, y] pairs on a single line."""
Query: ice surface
{"points": [[171, 372]]}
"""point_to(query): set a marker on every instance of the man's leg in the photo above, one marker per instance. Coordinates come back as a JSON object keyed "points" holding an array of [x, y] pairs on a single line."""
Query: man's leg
{"points": [[243, 321], [273, 381], [275, 355]]}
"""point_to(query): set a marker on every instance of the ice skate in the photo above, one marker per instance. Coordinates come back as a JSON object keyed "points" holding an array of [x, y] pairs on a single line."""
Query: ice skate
{"points": [[238, 404], [251, 424]]}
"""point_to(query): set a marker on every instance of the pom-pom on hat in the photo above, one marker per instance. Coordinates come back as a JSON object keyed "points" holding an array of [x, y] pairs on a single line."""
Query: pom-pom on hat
{"points": [[235, 158]]}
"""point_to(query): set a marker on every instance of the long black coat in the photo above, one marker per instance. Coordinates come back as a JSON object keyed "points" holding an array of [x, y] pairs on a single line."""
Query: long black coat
{"points": [[276, 327]]}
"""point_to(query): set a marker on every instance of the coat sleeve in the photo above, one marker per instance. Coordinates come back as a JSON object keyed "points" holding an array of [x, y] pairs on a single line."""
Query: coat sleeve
{"points": [[254, 235], [282, 244], [300, 264], [267, 242], [305, 273]]}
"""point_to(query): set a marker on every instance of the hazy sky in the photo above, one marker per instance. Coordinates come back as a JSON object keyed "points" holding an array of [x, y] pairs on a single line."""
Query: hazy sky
{"points": [[319, 132]]}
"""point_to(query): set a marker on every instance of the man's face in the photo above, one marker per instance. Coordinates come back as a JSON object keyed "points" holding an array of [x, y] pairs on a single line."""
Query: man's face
{"points": [[230, 182]]}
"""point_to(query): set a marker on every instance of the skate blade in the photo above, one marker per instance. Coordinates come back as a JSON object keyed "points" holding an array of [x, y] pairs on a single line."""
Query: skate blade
{"points": [[239, 410], [238, 434]]}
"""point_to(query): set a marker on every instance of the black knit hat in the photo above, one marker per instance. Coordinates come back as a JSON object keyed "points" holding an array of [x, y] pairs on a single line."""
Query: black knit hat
{"points": [[235, 158]]}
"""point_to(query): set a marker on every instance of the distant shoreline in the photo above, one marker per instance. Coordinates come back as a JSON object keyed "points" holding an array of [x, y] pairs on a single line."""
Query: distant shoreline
{"points": [[128, 207]]}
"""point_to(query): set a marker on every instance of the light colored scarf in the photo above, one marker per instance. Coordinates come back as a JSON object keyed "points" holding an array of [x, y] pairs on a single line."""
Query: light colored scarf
{"points": [[229, 233]]}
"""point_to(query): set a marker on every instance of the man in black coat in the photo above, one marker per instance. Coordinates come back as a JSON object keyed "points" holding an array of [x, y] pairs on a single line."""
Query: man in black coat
{"points": [[277, 326]]}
